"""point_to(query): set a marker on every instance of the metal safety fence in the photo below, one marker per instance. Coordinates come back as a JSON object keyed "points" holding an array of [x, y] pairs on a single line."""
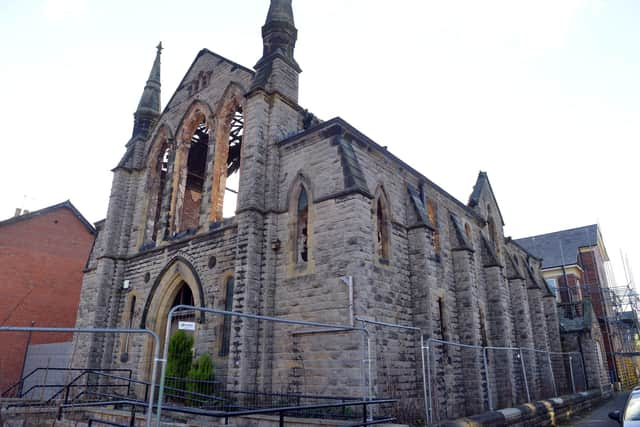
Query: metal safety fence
{"points": [[69, 387], [265, 363], [463, 379]]}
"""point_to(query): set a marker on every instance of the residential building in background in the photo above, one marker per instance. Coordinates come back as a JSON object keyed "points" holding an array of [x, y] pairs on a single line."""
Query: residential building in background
{"points": [[42, 256]]}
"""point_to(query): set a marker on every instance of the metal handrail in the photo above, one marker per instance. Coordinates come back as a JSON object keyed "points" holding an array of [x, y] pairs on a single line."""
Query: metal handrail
{"points": [[152, 334], [21, 381], [224, 414]]}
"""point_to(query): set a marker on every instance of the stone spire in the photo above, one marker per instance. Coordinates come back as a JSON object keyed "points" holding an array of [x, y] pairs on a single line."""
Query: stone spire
{"points": [[149, 105], [279, 36]]}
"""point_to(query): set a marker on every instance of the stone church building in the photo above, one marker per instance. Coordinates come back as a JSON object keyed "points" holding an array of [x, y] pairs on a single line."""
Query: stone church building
{"points": [[316, 201]]}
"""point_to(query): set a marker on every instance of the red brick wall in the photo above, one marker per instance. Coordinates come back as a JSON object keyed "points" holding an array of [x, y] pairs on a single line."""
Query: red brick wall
{"points": [[41, 262], [591, 281], [570, 284]]}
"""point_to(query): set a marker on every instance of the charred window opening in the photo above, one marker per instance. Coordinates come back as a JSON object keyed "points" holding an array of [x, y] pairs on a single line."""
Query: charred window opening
{"points": [[303, 226], [382, 232], [226, 325], [235, 141], [197, 161], [162, 171], [196, 170], [236, 131]]}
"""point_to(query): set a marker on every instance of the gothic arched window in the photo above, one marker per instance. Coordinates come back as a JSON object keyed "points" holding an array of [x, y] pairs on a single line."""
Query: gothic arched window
{"points": [[302, 226], [382, 231], [162, 170], [196, 170]]}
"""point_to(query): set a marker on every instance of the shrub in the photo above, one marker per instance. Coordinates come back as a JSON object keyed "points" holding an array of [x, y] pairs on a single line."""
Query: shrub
{"points": [[179, 360], [201, 371]]}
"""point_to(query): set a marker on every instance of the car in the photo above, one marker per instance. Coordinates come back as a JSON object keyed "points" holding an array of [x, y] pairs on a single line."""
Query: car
{"points": [[630, 415]]}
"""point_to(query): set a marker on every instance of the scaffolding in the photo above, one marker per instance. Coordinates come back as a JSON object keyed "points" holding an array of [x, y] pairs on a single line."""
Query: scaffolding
{"points": [[617, 309]]}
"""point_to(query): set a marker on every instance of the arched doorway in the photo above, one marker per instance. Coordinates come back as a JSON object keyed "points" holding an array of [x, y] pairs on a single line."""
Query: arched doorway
{"points": [[177, 284]]}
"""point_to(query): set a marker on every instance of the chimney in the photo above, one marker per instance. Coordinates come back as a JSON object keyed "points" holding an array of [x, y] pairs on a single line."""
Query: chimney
{"points": [[17, 212]]}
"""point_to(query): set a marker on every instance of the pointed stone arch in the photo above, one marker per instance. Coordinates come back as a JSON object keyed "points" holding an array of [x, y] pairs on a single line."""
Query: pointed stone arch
{"points": [[301, 224], [177, 273], [187, 217], [158, 175], [230, 105], [161, 133], [166, 286]]}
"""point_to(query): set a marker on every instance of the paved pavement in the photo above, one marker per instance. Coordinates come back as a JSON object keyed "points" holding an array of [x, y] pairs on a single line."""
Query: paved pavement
{"points": [[599, 416]]}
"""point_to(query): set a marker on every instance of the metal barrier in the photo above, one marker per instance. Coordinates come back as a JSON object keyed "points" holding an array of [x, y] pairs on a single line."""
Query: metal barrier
{"points": [[408, 328], [152, 334], [327, 327], [540, 361]]}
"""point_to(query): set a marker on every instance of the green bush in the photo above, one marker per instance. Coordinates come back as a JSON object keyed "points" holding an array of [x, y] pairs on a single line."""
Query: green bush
{"points": [[202, 370], [179, 360]]}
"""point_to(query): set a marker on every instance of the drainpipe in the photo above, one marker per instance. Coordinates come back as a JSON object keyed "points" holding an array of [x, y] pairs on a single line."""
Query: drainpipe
{"points": [[348, 280]]}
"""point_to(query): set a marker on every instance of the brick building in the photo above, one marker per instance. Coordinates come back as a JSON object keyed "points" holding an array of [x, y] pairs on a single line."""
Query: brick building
{"points": [[316, 201], [42, 255], [574, 264]]}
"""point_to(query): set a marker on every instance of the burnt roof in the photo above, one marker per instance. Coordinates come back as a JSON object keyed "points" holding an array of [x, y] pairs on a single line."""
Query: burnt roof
{"points": [[560, 247]]}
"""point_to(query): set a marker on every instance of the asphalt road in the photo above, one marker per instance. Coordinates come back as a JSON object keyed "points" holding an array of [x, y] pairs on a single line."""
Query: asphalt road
{"points": [[599, 416]]}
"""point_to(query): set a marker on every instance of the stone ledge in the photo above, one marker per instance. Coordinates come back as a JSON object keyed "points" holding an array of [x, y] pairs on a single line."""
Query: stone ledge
{"points": [[543, 412]]}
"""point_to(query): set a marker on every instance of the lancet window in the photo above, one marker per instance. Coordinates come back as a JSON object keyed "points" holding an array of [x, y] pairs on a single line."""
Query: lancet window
{"points": [[302, 229], [196, 170], [162, 171], [382, 231], [226, 324]]}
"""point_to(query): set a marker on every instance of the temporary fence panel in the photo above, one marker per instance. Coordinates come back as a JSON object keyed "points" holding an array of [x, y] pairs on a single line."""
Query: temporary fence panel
{"points": [[398, 368], [80, 381], [457, 382], [261, 362]]}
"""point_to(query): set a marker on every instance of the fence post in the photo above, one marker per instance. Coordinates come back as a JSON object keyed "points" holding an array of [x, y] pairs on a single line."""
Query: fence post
{"points": [[424, 380], [553, 378], [486, 377], [524, 375], [573, 384], [430, 403]]}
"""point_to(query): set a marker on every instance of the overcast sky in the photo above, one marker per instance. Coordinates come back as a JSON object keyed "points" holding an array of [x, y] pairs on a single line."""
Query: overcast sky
{"points": [[543, 95]]}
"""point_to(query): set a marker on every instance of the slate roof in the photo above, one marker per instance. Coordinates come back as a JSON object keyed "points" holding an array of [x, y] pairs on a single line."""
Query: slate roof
{"points": [[548, 246], [64, 205]]}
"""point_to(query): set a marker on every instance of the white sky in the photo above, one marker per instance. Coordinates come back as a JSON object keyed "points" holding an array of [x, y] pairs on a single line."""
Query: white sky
{"points": [[543, 95]]}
